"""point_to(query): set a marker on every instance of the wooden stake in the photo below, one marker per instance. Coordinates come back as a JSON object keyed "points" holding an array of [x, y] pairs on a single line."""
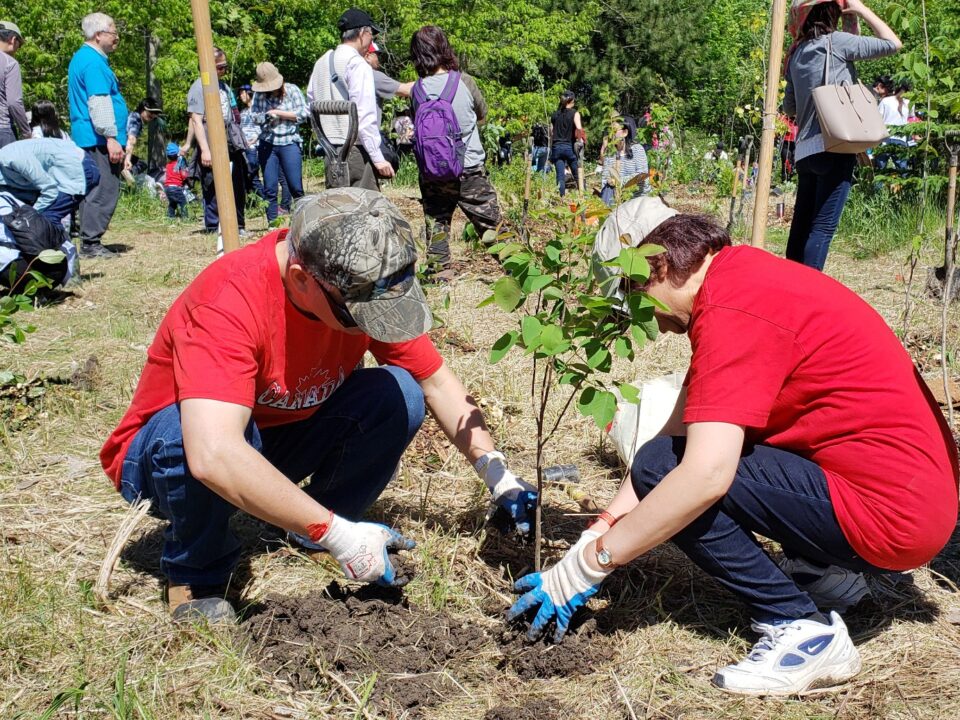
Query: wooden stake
{"points": [[761, 191], [216, 131]]}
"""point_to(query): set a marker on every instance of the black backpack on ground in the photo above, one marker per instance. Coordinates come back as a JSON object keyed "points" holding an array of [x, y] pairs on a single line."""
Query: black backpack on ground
{"points": [[32, 234]]}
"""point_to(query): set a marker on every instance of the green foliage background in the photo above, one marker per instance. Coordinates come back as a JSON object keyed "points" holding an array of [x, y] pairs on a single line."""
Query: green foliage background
{"points": [[703, 60]]}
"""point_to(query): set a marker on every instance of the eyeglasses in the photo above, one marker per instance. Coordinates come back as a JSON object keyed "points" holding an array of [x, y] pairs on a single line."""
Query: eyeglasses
{"points": [[110, 32], [222, 66]]}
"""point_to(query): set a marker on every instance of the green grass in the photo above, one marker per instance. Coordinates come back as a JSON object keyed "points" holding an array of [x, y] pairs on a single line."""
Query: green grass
{"points": [[876, 222]]}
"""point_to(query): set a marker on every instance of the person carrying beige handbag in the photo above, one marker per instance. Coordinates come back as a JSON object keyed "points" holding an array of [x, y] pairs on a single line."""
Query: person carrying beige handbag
{"points": [[824, 178]]}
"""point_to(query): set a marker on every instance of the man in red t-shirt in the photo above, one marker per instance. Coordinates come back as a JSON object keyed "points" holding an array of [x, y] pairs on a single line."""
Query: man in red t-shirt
{"points": [[802, 420], [252, 382]]}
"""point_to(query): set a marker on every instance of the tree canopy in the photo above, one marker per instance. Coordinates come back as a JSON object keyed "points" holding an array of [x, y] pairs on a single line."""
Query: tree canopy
{"points": [[703, 59]]}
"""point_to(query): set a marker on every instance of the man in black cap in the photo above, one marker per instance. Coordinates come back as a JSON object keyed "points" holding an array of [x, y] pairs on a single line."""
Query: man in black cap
{"points": [[13, 115], [342, 74], [251, 385]]}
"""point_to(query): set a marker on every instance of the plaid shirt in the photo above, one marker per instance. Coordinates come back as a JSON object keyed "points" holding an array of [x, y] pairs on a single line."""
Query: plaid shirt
{"points": [[279, 132], [249, 128]]}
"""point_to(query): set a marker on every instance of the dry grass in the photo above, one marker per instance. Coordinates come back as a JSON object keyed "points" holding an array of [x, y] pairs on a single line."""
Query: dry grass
{"points": [[670, 625]]}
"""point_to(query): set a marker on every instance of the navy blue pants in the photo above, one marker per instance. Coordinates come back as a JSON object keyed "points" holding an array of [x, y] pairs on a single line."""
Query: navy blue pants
{"points": [[776, 494], [823, 184], [176, 201], [238, 177], [349, 447], [564, 155]]}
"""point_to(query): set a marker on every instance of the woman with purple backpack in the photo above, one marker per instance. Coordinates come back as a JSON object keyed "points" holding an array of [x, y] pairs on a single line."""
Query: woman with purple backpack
{"points": [[448, 107]]}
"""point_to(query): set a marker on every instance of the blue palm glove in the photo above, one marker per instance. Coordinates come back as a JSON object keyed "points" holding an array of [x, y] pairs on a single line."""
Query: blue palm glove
{"points": [[362, 548], [516, 498], [560, 591]]}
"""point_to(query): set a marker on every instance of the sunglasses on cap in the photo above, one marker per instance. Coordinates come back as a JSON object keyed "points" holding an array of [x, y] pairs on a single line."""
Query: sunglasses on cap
{"points": [[340, 311]]}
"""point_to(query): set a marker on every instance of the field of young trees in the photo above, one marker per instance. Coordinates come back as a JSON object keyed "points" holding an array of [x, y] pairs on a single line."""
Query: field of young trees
{"points": [[84, 629]]}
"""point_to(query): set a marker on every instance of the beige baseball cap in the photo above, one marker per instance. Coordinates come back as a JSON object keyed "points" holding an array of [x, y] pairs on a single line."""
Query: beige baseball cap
{"points": [[627, 226], [12, 27]]}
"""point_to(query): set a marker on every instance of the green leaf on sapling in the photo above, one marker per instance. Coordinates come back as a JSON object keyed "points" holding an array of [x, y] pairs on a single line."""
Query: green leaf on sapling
{"points": [[530, 329], [507, 293], [629, 392], [502, 346]]}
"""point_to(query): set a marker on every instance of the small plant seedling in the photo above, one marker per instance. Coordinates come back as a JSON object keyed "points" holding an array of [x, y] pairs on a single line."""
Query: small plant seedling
{"points": [[570, 331]]}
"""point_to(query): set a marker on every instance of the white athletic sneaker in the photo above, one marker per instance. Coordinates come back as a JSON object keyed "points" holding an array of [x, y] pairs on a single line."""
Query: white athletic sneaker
{"points": [[793, 658], [830, 588]]}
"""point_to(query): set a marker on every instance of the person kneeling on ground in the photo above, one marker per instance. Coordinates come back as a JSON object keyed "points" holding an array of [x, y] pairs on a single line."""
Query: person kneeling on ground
{"points": [[52, 175], [251, 385], [803, 420]]}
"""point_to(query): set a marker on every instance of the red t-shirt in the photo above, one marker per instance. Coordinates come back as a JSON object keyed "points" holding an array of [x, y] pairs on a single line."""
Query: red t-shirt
{"points": [[174, 177], [232, 335], [808, 366]]}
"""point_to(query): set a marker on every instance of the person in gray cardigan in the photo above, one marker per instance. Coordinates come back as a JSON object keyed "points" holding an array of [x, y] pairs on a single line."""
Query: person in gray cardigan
{"points": [[824, 178]]}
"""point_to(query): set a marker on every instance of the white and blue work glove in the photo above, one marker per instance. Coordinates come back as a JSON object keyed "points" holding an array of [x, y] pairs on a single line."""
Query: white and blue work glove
{"points": [[560, 591], [518, 499], [362, 548]]}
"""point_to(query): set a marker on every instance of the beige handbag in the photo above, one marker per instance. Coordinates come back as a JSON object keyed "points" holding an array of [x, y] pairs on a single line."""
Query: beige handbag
{"points": [[849, 119]]}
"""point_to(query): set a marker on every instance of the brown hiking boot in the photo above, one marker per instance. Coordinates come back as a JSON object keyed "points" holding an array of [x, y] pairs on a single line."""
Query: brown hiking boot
{"points": [[190, 603]]}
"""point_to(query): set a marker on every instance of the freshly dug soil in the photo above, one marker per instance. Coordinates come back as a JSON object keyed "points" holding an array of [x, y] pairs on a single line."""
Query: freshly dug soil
{"points": [[355, 634], [582, 650], [542, 710], [358, 633]]}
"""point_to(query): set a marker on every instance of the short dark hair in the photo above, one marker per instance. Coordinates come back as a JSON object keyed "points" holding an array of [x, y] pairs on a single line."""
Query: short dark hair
{"points": [[687, 239], [822, 20], [8, 35], [431, 51]]}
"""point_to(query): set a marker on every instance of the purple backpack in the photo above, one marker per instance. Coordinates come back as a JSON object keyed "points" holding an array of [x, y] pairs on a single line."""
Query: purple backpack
{"points": [[437, 144]]}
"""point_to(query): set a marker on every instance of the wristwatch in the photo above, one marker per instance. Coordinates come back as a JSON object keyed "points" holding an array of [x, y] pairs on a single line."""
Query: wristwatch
{"points": [[604, 557]]}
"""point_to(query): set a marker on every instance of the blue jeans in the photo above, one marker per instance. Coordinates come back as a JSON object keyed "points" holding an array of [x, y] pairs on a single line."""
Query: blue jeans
{"points": [[272, 159], [823, 184], [255, 186], [349, 447], [176, 201], [539, 159], [776, 494], [563, 154]]}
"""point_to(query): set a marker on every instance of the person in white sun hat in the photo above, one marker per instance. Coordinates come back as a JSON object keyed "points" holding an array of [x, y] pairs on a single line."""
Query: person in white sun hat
{"points": [[802, 419]]}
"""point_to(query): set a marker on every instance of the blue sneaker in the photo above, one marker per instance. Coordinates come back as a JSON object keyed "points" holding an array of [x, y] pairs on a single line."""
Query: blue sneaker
{"points": [[793, 657]]}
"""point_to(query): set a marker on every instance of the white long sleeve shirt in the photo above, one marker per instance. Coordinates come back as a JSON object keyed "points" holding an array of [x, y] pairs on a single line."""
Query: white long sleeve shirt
{"points": [[357, 75]]}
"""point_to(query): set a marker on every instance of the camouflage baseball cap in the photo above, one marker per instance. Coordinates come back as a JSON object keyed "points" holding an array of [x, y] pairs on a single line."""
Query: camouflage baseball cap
{"points": [[358, 242]]}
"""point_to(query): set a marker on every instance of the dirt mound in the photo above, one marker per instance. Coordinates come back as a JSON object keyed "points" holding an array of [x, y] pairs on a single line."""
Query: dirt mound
{"points": [[356, 634], [540, 710], [580, 652]]}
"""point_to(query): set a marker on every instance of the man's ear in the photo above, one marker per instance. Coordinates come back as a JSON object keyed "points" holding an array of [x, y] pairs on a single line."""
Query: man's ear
{"points": [[298, 278]]}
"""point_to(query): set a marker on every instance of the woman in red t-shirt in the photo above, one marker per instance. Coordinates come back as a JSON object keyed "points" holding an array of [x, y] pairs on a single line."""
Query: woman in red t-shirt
{"points": [[802, 420]]}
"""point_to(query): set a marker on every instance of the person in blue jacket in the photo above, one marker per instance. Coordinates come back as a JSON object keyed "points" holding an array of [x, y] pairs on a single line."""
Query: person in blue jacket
{"points": [[51, 174], [98, 122]]}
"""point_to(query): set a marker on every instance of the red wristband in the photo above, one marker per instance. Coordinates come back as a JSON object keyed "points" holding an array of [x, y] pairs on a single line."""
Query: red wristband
{"points": [[606, 517], [316, 531]]}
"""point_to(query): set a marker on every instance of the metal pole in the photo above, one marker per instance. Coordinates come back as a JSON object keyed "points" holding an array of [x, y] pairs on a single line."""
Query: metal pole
{"points": [[216, 131], [762, 190]]}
